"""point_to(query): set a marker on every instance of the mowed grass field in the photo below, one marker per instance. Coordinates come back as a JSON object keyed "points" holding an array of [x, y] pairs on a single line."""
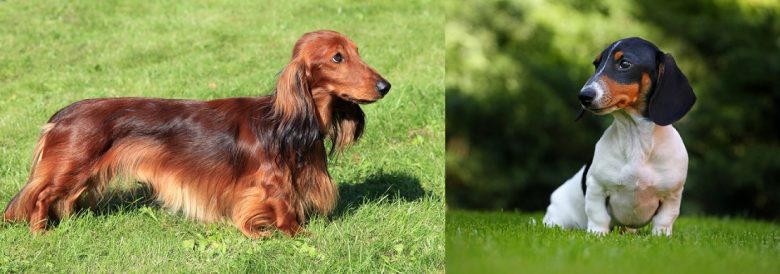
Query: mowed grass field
{"points": [[511, 242], [390, 217]]}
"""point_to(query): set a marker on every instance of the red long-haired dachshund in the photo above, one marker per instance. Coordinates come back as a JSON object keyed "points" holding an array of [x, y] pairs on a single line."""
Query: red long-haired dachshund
{"points": [[257, 162]]}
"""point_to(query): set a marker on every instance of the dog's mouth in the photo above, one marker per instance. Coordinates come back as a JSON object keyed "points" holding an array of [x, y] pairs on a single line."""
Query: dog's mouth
{"points": [[359, 101], [599, 111]]}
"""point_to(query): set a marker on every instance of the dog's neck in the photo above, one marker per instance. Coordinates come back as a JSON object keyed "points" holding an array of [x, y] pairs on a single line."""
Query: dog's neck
{"points": [[341, 121], [324, 101], [635, 132]]}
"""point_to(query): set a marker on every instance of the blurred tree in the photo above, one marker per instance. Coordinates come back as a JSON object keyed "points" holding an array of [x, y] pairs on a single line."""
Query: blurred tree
{"points": [[514, 68]]}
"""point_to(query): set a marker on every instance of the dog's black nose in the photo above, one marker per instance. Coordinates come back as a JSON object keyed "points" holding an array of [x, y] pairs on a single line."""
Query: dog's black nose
{"points": [[586, 96], [382, 86]]}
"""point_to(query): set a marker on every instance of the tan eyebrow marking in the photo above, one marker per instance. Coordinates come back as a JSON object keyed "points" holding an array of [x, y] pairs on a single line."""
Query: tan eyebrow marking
{"points": [[618, 55]]}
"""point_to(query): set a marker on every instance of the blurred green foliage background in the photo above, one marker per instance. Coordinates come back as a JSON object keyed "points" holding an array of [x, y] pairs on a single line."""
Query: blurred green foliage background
{"points": [[514, 68]]}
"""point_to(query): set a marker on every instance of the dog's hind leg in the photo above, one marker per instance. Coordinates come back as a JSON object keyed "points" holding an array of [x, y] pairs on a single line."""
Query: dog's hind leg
{"points": [[60, 173], [57, 196], [66, 205], [20, 207], [567, 205]]}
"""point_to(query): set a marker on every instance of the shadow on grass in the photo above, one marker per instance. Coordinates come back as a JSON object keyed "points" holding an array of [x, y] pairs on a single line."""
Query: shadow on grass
{"points": [[112, 202], [380, 186], [126, 200]]}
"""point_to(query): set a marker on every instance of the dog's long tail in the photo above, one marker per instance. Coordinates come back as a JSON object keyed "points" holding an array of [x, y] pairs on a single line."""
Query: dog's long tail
{"points": [[23, 203]]}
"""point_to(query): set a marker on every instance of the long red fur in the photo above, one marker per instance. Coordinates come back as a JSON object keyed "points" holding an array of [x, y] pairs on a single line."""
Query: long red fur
{"points": [[256, 162]]}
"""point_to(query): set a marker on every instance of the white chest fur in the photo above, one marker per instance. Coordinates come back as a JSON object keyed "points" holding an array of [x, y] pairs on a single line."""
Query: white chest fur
{"points": [[637, 167]]}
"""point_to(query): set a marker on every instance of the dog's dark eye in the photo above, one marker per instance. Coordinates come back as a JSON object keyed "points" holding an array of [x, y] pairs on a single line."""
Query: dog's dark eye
{"points": [[624, 65], [337, 58]]}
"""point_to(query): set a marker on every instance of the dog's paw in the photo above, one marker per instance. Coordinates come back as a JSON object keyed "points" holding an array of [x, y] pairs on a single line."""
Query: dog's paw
{"points": [[549, 224], [662, 231], [598, 231], [598, 228]]}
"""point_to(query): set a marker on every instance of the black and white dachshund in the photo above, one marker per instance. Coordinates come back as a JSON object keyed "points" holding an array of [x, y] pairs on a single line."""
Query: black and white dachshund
{"points": [[640, 164]]}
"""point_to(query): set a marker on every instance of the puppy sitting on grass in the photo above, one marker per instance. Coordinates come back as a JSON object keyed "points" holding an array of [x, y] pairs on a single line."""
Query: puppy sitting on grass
{"points": [[640, 163]]}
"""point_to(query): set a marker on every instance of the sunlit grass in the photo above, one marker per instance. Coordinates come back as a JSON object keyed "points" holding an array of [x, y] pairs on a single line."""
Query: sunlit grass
{"points": [[511, 242]]}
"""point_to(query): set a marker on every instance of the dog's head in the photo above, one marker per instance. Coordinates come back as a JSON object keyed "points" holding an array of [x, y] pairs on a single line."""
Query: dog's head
{"points": [[330, 63], [633, 74], [319, 91]]}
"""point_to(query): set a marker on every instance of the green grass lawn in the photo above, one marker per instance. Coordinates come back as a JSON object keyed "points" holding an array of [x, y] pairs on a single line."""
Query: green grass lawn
{"points": [[511, 242], [391, 214]]}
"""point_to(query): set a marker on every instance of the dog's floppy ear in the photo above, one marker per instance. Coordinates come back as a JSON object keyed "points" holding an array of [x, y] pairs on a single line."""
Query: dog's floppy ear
{"points": [[293, 95], [672, 97], [293, 107]]}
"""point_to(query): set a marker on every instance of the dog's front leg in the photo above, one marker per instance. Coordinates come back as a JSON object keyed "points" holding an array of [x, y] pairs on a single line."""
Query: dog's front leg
{"points": [[596, 209], [667, 214]]}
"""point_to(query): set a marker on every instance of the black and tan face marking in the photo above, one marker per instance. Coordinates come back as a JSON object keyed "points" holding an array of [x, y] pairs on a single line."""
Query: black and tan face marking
{"points": [[623, 77]]}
